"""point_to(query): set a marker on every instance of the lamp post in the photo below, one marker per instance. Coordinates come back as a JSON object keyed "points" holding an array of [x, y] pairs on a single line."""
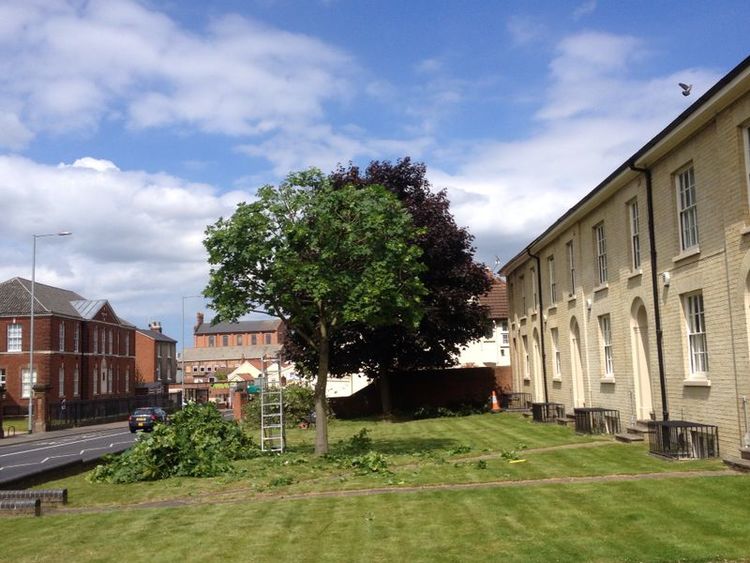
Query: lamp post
{"points": [[31, 323], [182, 340]]}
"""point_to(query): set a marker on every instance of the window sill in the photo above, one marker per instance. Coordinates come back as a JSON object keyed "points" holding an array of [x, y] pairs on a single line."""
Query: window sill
{"points": [[526, 378], [571, 298], [552, 308], [687, 254], [601, 287], [635, 274], [557, 379], [745, 230], [607, 379], [697, 383]]}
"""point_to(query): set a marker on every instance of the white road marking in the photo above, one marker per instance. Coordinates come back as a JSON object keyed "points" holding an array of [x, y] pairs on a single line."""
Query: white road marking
{"points": [[62, 444]]}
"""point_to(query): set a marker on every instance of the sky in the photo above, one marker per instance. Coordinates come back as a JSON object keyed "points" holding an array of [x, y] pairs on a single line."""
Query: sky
{"points": [[135, 124]]}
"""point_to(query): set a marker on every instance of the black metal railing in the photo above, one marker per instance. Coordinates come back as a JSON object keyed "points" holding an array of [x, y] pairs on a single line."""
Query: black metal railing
{"points": [[515, 401], [680, 439], [67, 414], [597, 420], [547, 412]]}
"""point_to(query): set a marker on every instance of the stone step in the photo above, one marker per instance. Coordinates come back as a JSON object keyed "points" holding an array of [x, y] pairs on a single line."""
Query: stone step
{"points": [[745, 453], [738, 464], [566, 422], [639, 429], [629, 437]]}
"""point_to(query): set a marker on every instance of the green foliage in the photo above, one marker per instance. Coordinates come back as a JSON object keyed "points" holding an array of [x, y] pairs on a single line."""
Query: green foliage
{"points": [[197, 443], [299, 402], [481, 464], [371, 462], [281, 481], [514, 454], [445, 412], [318, 258], [458, 450]]}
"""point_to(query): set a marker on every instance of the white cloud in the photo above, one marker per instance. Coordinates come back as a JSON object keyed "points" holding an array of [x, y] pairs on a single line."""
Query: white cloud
{"points": [[67, 65], [523, 29], [137, 236], [596, 114], [584, 9]]}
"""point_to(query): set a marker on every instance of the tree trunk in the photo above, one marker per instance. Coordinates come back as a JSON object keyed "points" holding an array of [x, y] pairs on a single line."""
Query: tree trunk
{"points": [[321, 414], [385, 393]]}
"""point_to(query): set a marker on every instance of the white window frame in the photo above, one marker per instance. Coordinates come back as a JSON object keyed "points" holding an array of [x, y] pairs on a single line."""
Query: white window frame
{"points": [[635, 236], [77, 338], [26, 385], [746, 144], [687, 208], [697, 337], [111, 341], [95, 340], [571, 267], [61, 381], [127, 344], [61, 336], [522, 283], [95, 379], [552, 280], [527, 360], [127, 379], [76, 381], [3, 377], [534, 294], [600, 240], [605, 332], [15, 337], [555, 337]]}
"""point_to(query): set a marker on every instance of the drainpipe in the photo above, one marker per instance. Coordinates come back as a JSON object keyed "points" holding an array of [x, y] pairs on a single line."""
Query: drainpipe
{"points": [[655, 287], [541, 321]]}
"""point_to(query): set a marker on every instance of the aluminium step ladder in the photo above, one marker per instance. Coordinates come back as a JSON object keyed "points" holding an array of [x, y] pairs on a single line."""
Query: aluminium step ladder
{"points": [[272, 434]]}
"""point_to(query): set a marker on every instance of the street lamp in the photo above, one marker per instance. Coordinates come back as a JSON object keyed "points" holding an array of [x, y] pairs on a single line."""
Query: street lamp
{"points": [[182, 340], [31, 327]]}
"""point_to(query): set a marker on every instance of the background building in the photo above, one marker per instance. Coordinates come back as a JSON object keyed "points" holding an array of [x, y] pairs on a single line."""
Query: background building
{"points": [[155, 359], [494, 349]]}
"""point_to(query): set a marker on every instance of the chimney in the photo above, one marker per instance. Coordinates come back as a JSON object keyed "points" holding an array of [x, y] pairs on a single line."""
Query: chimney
{"points": [[155, 326], [198, 321]]}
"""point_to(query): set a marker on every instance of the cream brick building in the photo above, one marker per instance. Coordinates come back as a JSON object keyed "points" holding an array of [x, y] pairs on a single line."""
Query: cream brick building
{"points": [[663, 242]]}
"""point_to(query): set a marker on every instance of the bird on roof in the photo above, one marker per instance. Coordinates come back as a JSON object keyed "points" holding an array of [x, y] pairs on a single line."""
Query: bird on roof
{"points": [[686, 88]]}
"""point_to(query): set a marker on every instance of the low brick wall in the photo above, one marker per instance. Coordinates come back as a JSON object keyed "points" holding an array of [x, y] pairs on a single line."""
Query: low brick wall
{"points": [[427, 388]]}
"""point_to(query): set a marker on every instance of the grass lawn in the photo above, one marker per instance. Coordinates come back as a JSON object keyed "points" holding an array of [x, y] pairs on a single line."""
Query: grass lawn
{"points": [[245, 516]]}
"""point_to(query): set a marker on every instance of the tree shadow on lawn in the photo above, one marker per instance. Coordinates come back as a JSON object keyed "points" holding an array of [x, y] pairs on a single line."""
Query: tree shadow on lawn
{"points": [[407, 446]]}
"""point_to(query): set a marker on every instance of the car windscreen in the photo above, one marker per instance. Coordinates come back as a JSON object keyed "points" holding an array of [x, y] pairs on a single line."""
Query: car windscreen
{"points": [[142, 411]]}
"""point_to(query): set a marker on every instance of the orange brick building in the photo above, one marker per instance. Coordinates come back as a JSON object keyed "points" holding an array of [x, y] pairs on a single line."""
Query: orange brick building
{"points": [[155, 359]]}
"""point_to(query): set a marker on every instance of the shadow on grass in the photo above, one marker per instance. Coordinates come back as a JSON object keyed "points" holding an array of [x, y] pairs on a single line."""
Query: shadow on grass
{"points": [[407, 446]]}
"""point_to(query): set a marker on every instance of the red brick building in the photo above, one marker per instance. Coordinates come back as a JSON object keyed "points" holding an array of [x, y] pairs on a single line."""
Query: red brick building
{"points": [[155, 359], [224, 346], [82, 349]]}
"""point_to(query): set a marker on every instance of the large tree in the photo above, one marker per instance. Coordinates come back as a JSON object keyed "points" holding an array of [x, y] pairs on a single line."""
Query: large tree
{"points": [[321, 259], [453, 280]]}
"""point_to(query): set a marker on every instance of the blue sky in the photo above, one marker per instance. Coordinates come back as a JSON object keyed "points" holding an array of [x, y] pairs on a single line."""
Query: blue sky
{"points": [[135, 124]]}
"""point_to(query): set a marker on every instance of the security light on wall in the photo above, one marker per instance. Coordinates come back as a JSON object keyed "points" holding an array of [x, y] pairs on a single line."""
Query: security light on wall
{"points": [[588, 303], [666, 277]]}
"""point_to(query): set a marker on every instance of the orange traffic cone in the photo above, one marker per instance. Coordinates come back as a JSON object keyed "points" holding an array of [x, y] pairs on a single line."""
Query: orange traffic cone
{"points": [[495, 405]]}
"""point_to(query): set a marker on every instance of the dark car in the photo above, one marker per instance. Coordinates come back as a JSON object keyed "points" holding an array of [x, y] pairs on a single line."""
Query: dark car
{"points": [[146, 418]]}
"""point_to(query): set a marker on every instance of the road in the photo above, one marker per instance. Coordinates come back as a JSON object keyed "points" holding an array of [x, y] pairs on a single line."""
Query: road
{"points": [[32, 458]]}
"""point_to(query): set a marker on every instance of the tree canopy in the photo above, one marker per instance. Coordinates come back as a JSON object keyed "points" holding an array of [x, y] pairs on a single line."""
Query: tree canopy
{"points": [[321, 258], [452, 279]]}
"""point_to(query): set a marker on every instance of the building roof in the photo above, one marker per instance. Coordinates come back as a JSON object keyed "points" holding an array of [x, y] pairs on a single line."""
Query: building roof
{"points": [[269, 325], [155, 335], [15, 297], [496, 299], [219, 353], [721, 94]]}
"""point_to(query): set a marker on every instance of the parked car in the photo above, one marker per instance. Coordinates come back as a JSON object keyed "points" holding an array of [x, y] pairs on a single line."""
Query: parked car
{"points": [[146, 418]]}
